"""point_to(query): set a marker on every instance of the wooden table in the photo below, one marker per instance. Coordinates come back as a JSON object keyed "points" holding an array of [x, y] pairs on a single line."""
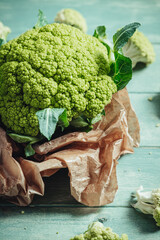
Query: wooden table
{"points": [[57, 215]]}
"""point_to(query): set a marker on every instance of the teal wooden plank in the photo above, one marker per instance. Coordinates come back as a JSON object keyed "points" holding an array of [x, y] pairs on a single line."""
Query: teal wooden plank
{"points": [[64, 223], [21, 15], [148, 114], [146, 79], [134, 170]]}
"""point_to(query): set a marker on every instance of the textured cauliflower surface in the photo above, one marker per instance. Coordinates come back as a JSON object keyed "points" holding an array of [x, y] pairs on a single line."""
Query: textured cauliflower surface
{"points": [[96, 231], [53, 66], [71, 17]]}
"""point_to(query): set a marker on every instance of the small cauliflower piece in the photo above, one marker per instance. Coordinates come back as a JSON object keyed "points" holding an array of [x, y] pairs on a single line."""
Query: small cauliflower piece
{"points": [[148, 203], [4, 31], [97, 231], [55, 66], [71, 17], [139, 49]]}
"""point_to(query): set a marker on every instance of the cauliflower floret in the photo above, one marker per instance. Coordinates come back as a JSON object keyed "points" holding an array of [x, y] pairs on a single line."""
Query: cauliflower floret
{"points": [[96, 231], [4, 31], [139, 49], [148, 202], [56, 66], [71, 17]]}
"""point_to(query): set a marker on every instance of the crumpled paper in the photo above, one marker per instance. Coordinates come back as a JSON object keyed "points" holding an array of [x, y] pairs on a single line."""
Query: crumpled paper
{"points": [[91, 158]]}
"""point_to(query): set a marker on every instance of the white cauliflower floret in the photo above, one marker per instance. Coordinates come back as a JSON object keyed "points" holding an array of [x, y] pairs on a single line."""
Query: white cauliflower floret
{"points": [[139, 49], [148, 203], [71, 17]]}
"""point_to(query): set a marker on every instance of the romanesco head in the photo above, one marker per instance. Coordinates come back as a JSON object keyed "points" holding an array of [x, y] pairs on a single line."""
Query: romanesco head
{"points": [[4, 31], [71, 17], [139, 49], [96, 231], [55, 66]]}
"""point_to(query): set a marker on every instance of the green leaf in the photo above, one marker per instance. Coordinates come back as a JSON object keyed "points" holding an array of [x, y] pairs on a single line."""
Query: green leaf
{"points": [[48, 119], [42, 21], [98, 117], [29, 151], [79, 122], [1, 42], [83, 122], [24, 139], [63, 121], [120, 38], [123, 70], [103, 113], [100, 32]]}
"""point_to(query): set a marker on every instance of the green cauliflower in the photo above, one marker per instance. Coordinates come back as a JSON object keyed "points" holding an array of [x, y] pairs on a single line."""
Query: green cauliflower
{"points": [[148, 203], [139, 49], [71, 17], [96, 231], [56, 66], [4, 31]]}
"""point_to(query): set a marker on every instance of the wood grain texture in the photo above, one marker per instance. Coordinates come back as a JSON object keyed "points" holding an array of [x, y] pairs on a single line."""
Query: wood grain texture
{"points": [[63, 223], [148, 113]]}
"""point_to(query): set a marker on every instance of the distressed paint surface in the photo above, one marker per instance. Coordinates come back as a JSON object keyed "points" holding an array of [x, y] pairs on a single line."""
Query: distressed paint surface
{"points": [[57, 211]]}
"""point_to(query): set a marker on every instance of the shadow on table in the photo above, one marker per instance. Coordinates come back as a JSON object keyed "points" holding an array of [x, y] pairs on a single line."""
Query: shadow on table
{"points": [[57, 196], [57, 190], [143, 222], [139, 66]]}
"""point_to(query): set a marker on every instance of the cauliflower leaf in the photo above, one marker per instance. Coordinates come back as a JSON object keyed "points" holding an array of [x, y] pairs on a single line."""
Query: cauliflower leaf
{"points": [[42, 21], [120, 66], [48, 119], [120, 38]]}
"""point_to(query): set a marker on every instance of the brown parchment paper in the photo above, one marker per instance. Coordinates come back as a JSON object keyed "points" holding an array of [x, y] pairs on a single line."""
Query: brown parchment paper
{"points": [[91, 158]]}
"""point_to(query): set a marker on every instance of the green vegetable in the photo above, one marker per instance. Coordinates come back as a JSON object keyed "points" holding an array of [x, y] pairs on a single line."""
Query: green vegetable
{"points": [[139, 49], [56, 66], [71, 17], [148, 202], [96, 231], [56, 75], [120, 66]]}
